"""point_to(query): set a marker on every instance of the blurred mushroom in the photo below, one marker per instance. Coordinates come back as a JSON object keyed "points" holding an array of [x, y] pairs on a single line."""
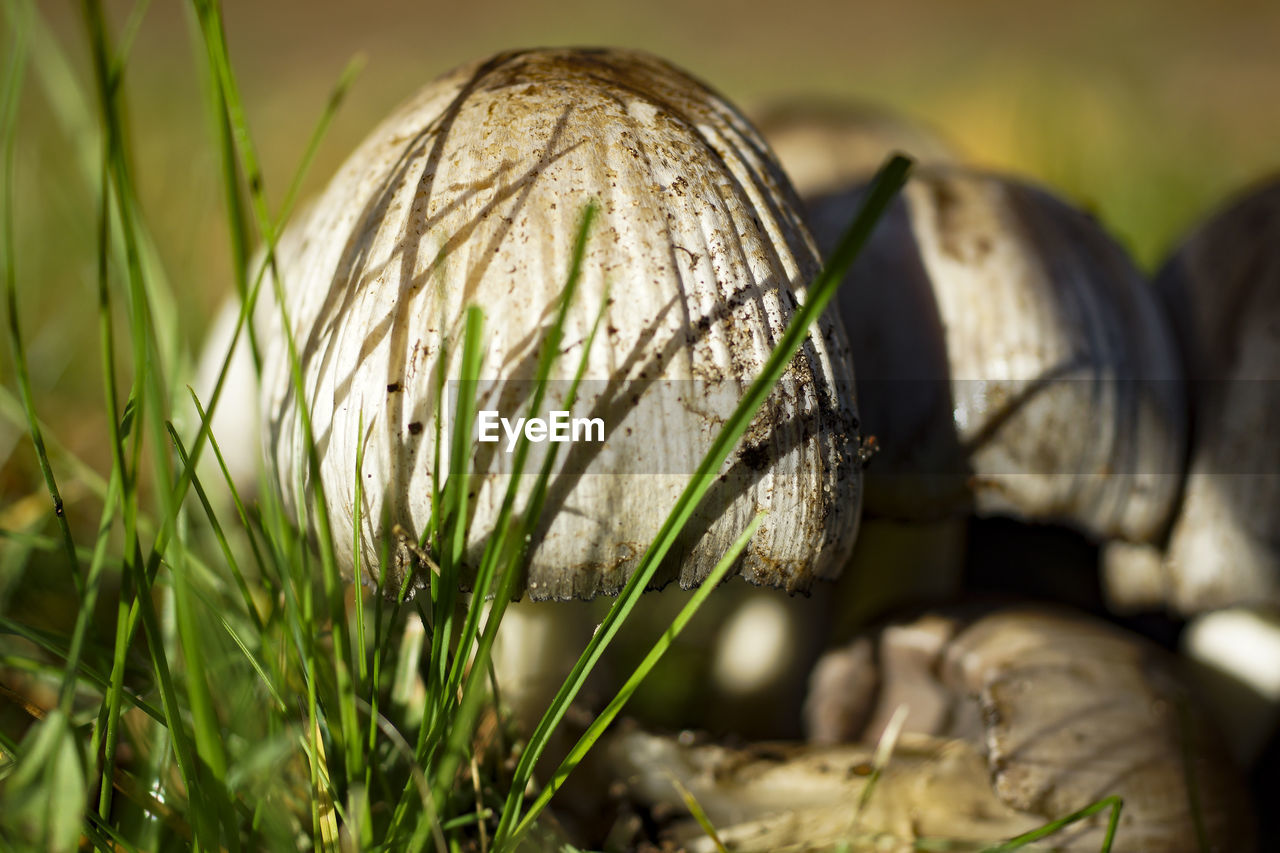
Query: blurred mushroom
{"points": [[471, 193], [1011, 360], [1065, 709], [827, 145], [1236, 660], [1222, 288], [237, 413], [1017, 718], [794, 797], [739, 668]]}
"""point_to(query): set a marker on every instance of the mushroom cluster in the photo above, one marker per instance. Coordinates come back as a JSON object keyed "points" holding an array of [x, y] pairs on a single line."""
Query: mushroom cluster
{"points": [[1011, 360]]}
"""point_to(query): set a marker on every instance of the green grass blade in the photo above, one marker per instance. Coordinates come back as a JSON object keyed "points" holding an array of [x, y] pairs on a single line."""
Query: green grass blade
{"points": [[507, 546], [336, 96], [454, 506], [60, 650], [357, 550], [496, 549], [228, 557], [210, 18], [1114, 803], [633, 682], [699, 814], [149, 402], [236, 500]]}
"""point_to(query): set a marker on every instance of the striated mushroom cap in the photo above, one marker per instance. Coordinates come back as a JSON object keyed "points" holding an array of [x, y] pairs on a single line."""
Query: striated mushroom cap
{"points": [[472, 193], [1011, 360]]}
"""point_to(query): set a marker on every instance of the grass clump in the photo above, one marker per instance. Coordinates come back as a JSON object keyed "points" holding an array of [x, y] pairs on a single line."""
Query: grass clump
{"points": [[217, 688]]}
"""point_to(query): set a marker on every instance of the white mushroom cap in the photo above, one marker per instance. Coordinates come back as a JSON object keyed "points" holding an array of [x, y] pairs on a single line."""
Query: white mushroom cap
{"points": [[1011, 357], [472, 193]]}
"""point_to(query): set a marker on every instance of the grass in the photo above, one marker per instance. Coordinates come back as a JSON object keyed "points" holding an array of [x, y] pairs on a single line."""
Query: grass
{"points": [[220, 687]]}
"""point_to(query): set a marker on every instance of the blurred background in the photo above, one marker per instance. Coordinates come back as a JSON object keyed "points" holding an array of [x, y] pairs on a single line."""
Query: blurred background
{"points": [[1147, 113]]}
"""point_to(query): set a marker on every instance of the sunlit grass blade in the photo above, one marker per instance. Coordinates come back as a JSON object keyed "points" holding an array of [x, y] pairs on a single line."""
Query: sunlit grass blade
{"points": [[232, 563], [236, 500], [1114, 803], [507, 546], [238, 227], [336, 96], [879, 763], [73, 109], [454, 521], [450, 529], [633, 682], [496, 550], [357, 577], [699, 814], [150, 402], [209, 15], [205, 725]]}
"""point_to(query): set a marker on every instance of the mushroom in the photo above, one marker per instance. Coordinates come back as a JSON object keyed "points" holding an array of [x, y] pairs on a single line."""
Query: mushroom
{"points": [[1220, 563], [1011, 360], [236, 415], [236, 419], [801, 797], [827, 146], [1235, 658], [471, 194], [824, 146], [1016, 718], [1222, 289]]}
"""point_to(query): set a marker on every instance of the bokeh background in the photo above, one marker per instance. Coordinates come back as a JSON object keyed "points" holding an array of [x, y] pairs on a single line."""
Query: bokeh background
{"points": [[1148, 113]]}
